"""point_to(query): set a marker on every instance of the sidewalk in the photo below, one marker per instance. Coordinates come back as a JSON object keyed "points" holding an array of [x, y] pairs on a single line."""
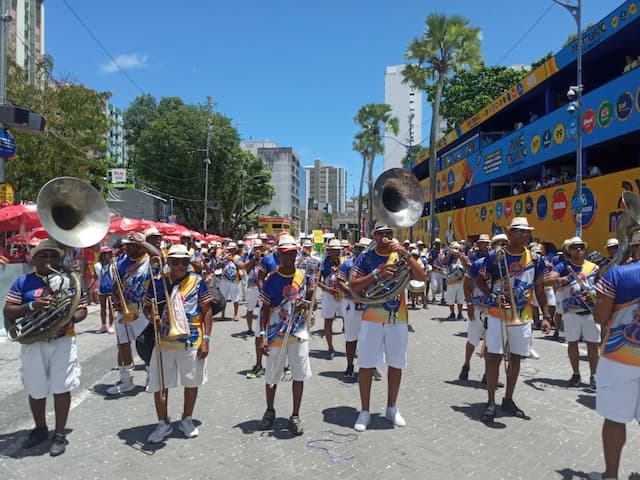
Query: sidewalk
{"points": [[444, 438]]}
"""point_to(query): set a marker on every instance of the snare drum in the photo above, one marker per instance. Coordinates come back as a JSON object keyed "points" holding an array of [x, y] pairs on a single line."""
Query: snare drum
{"points": [[416, 286]]}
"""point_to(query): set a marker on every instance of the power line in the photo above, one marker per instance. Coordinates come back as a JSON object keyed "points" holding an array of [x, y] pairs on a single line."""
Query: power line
{"points": [[115, 62], [199, 200]]}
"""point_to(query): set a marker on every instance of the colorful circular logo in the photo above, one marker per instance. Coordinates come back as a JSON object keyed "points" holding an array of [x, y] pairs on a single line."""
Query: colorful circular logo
{"points": [[517, 207], [507, 208], [499, 210], [605, 114], [589, 207], [624, 106], [558, 134], [490, 212], [614, 22], [546, 138], [535, 144], [633, 9], [516, 269], [588, 121], [528, 204], [483, 214], [572, 128], [559, 205], [542, 207], [438, 185], [450, 180]]}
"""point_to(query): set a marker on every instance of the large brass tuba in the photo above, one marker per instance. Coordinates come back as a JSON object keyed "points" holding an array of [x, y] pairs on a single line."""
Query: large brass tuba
{"points": [[398, 200], [74, 214], [627, 224]]}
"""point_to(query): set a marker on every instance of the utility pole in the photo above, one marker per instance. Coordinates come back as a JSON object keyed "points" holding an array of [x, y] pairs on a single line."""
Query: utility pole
{"points": [[5, 19], [410, 159], [207, 161]]}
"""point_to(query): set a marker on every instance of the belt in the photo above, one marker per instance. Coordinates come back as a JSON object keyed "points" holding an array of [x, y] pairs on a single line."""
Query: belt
{"points": [[584, 312]]}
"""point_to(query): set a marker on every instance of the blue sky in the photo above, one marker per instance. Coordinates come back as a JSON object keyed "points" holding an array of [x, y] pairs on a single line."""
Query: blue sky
{"points": [[294, 72]]}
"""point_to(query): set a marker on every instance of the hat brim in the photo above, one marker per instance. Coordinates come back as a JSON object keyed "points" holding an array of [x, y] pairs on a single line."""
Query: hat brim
{"points": [[35, 250], [287, 249], [178, 255], [520, 227]]}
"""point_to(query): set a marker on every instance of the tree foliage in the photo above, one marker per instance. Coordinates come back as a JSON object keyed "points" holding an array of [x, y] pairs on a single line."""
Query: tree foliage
{"points": [[168, 152], [469, 91], [74, 142]]}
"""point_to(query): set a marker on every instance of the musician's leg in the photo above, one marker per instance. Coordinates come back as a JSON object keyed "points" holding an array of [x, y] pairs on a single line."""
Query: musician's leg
{"points": [[103, 309], [592, 355], [574, 357], [393, 385], [364, 382], [38, 408], [190, 397], [297, 389], [512, 376], [162, 404], [493, 366], [61, 405], [614, 436], [271, 395], [328, 333]]}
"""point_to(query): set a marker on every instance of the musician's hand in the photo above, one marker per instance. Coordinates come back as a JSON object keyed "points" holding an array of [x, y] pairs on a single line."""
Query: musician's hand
{"points": [[502, 302], [156, 319], [203, 351], [546, 326], [386, 269], [42, 303], [265, 346]]}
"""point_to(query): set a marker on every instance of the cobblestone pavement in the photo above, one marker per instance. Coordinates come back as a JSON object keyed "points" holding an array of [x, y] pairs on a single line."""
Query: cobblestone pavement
{"points": [[443, 438]]}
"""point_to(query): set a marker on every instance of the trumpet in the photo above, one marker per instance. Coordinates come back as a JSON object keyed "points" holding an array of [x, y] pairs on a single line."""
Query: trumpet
{"points": [[129, 310], [508, 312], [588, 297]]}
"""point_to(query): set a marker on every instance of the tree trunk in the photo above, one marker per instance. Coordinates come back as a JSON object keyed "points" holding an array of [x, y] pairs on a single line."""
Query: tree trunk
{"points": [[372, 157], [435, 118], [364, 167]]}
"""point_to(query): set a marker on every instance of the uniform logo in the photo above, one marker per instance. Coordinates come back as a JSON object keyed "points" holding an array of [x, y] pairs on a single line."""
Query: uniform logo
{"points": [[516, 269]]}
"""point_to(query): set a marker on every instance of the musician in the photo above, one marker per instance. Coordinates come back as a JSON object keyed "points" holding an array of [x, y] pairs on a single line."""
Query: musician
{"points": [[577, 306], [283, 294], [383, 332], [477, 302], [47, 366], [435, 260], [186, 358], [455, 262], [251, 267], [230, 284], [483, 244], [612, 248], [352, 311], [135, 274], [524, 275], [331, 293], [618, 373], [104, 274]]}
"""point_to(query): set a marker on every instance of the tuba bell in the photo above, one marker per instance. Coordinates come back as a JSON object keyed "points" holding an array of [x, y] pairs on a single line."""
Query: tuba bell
{"points": [[627, 224], [74, 214], [398, 201]]}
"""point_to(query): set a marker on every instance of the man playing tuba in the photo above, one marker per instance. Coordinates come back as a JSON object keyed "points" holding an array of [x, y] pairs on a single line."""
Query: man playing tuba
{"points": [[48, 366]]}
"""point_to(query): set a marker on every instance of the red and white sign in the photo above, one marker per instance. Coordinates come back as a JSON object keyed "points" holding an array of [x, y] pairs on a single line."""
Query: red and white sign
{"points": [[118, 175], [559, 205], [507, 208], [588, 121]]}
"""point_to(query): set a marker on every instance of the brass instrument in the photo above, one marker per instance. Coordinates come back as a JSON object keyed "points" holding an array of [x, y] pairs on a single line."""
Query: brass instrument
{"points": [[315, 270], [74, 214], [627, 224], [509, 315], [398, 200], [588, 297], [129, 310], [176, 315], [155, 316]]}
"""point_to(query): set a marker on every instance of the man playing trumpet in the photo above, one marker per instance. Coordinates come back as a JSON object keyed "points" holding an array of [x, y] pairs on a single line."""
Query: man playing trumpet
{"points": [[185, 357], [49, 366]]}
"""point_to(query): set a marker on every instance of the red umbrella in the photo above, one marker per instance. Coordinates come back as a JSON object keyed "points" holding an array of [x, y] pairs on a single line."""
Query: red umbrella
{"points": [[33, 236], [124, 225], [13, 217], [213, 238], [171, 228]]}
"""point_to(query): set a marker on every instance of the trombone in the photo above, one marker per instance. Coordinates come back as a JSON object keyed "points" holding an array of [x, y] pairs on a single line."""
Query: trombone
{"points": [[587, 296], [509, 316], [128, 309]]}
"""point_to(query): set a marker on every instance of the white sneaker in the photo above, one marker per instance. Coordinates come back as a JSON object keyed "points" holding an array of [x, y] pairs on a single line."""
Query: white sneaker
{"points": [[362, 422], [187, 427], [121, 387], [393, 415], [162, 431], [598, 476], [534, 355]]}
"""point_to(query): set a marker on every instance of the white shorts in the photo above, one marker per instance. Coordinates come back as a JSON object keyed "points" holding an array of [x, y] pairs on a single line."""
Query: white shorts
{"points": [[128, 332], [380, 341], [475, 329], [330, 306], [576, 326], [230, 290], [436, 282], [50, 367], [618, 393], [520, 338], [454, 294], [252, 298], [352, 320], [297, 357], [192, 370]]}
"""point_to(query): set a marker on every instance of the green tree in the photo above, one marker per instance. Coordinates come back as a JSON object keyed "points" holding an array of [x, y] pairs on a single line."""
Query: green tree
{"points": [[372, 118], [169, 154], [447, 45], [468, 91], [74, 141]]}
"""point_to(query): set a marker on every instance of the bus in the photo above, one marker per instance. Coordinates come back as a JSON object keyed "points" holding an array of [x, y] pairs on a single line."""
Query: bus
{"points": [[272, 226], [517, 156]]}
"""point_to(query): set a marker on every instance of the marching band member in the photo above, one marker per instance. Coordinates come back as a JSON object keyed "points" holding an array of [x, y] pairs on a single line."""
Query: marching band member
{"points": [[281, 294], [135, 274], [104, 274], [331, 294], [524, 275], [252, 268], [352, 311], [618, 373], [230, 283], [186, 358], [455, 262], [435, 259], [612, 248], [577, 306], [477, 302], [383, 332], [47, 366]]}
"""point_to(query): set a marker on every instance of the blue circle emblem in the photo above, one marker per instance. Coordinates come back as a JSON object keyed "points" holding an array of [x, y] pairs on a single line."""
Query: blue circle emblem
{"points": [[483, 213], [499, 209], [528, 205], [7, 144], [542, 207], [572, 128], [589, 206]]}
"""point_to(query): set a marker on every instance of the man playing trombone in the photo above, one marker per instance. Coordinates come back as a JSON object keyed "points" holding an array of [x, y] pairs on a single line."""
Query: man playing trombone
{"points": [[515, 275], [286, 307], [576, 279], [181, 304]]}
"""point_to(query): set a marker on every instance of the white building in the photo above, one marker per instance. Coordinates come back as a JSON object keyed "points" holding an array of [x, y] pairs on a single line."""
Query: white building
{"points": [[406, 106], [26, 34], [326, 184], [116, 148]]}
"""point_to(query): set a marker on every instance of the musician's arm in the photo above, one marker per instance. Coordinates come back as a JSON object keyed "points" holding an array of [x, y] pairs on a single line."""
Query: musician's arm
{"points": [[13, 311], [81, 314], [604, 309], [207, 323], [467, 288]]}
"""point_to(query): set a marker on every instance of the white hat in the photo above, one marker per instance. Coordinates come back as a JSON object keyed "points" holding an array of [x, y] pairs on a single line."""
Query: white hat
{"points": [[257, 242], [231, 245], [152, 231], [287, 243], [344, 243], [334, 244], [419, 242], [437, 240], [381, 226], [483, 238], [500, 237], [415, 252], [576, 241], [520, 222], [454, 246], [364, 242], [307, 242], [178, 251], [185, 235], [565, 245], [612, 242], [48, 244]]}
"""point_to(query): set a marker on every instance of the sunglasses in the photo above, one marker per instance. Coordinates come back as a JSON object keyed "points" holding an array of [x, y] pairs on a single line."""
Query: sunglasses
{"points": [[42, 256], [184, 262], [576, 247], [519, 231], [384, 232]]}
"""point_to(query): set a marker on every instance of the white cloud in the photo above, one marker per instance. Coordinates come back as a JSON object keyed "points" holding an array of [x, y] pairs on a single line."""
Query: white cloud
{"points": [[125, 61]]}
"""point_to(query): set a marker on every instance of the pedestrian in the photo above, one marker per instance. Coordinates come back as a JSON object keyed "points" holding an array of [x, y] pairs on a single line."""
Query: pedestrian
{"points": [[104, 274]]}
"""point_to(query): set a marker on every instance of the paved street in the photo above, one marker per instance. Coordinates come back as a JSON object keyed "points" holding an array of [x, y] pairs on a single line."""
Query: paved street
{"points": [[443, 439]]}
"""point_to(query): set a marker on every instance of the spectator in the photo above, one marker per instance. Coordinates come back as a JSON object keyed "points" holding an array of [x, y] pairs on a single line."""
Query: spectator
{"points": [[516, 189], [630, 64], [565, 178], [533, 117], [595, 171], [549, 181], [518, 125]]}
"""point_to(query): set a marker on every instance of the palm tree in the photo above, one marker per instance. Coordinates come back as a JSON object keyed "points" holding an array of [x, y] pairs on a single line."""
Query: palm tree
{"points": [[447, 45], [372, 117]]}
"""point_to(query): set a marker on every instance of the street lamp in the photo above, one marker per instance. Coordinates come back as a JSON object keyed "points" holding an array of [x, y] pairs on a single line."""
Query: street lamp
{"points": [[575, 105]]}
